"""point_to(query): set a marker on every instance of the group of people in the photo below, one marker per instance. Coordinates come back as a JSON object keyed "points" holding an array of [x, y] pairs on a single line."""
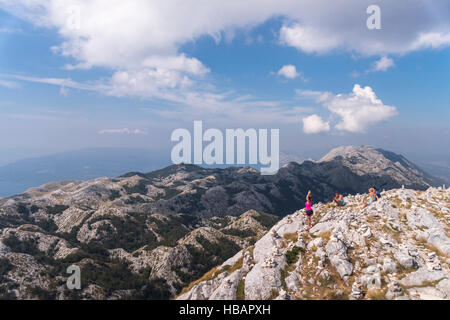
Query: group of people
{"points": [[374, 195]]}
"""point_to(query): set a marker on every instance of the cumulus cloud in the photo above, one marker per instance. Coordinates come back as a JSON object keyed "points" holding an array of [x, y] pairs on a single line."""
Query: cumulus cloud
{"points": [[122, 131], [308, 39], [315, 124], [383, 64], [356, 111], [332, 25], [290, 71], [359, 109]]}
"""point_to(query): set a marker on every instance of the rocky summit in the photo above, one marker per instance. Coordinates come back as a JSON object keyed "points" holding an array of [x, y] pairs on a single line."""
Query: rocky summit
{"points": [[396, 248]]}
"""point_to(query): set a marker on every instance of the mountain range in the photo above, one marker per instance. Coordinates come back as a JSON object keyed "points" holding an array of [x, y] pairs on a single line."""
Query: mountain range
{"points": [[92, 163], [149, 235]]}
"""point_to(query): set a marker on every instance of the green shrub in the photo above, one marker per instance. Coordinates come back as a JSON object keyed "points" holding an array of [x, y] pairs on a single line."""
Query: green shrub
{"points": [[56, 209], [131, 233], [171, 230], [292, 255], [140, 188], [26, 246], [5, 267], [239, 233], [47, 225], [5, 294], [212, 254], [266, 220], [43, 294]]}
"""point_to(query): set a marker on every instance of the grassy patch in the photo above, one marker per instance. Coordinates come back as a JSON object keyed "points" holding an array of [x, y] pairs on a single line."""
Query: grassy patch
{"points": [[240, 293], [291, 236], [273, 294], [424, 284], [325, 235], [376, 294]]}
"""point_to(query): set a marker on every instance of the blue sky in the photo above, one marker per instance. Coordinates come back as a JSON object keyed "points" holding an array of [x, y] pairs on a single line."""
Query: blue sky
{"points": [[130, 73]]}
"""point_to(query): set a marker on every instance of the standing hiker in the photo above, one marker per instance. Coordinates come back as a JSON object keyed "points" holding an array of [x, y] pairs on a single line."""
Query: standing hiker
{"points": [[309, 210]]}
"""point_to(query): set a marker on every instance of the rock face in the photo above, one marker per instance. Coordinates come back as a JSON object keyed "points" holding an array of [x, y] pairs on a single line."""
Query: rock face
{"points": [[337, 253], [383, 251]]}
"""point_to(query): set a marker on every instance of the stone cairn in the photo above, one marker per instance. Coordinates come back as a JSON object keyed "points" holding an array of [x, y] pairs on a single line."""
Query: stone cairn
{"points": [[270, 262], [248, 262], [433, 262], [283, 295], [229, 283], [394, 290], [275, 234], [357, 289]]}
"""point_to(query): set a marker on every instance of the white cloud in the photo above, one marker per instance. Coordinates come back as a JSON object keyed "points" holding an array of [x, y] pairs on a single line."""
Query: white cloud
{"points": [[307, 39], [308, 93], [383, 64], [407, 25], [434, 40], [124, 34], [315, 124], [9, 84], [122, 131], [359, 109], [289, 71]]}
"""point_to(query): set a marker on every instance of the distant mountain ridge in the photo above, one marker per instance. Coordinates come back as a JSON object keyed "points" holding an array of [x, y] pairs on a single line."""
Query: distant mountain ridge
{"points": [[85, 164], [191, 189]]}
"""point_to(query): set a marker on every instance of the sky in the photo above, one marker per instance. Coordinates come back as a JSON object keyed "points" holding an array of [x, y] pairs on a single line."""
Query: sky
{"points": [[109, 73]]}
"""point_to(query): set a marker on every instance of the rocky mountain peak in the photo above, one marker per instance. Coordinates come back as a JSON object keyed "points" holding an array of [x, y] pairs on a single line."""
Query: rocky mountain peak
{"points": [[366, 160], [348, 152]]}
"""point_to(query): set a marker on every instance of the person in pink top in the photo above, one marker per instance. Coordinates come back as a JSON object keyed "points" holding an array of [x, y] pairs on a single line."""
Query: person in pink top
{"points": [[309, 210]]}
